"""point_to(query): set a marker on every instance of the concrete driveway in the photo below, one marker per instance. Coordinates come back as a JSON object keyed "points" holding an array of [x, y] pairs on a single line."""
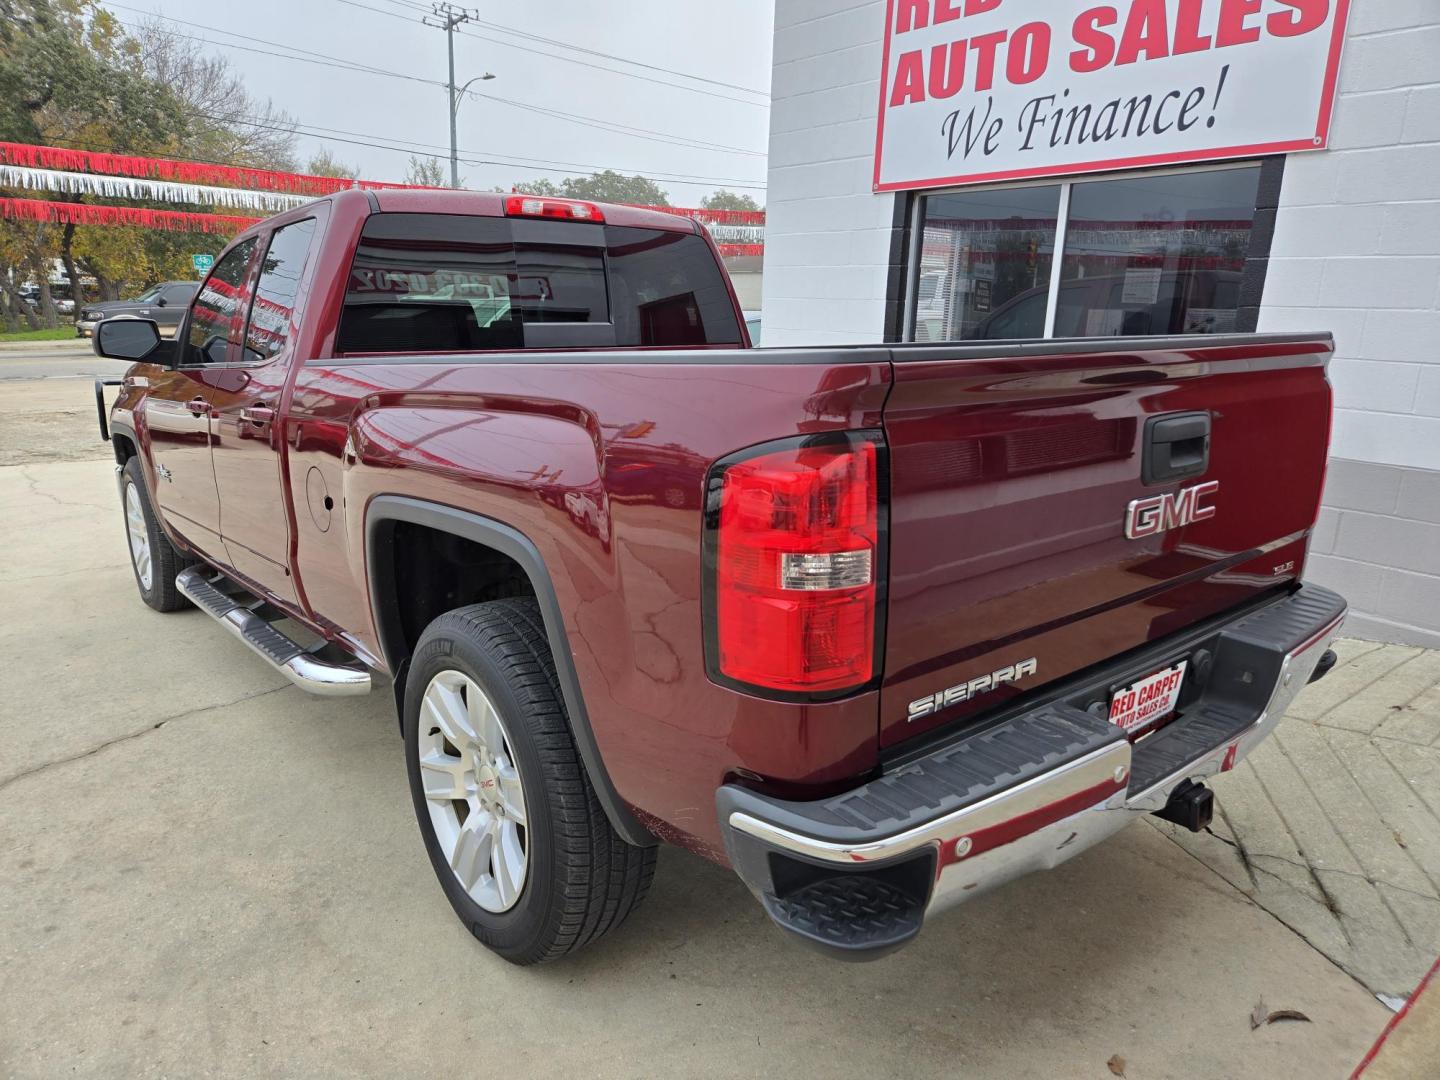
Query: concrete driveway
{"points": [[204, 871]]}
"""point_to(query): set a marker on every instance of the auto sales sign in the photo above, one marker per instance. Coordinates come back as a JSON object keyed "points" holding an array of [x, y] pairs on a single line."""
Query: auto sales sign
{"points": [[984, 90]]}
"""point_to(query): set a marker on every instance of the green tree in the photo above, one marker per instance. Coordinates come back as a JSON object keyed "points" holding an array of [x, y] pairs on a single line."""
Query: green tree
{"points": [[607, 186], [428, 172], [610, 186], [70, 75], [535, 187], [729, 200], [323, 163]]}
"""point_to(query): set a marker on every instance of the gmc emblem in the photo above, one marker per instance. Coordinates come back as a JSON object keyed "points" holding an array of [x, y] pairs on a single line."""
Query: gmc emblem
{"points": [[1161, 513]]}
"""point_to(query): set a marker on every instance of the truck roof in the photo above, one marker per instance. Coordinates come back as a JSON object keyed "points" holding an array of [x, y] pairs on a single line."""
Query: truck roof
{"points": [[492, 204]]}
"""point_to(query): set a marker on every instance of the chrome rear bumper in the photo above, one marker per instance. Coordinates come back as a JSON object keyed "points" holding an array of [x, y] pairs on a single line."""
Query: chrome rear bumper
{"points": [[1044, 819]]}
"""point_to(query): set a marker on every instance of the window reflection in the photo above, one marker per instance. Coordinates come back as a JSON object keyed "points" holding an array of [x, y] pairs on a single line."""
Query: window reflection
{"points": [[276, 289], [1156, 255], [1152, 254], [215, 319], [985, 264]]}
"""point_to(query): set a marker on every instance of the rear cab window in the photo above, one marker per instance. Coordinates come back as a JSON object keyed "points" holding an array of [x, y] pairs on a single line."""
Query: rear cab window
{"points": [[459, 283]]}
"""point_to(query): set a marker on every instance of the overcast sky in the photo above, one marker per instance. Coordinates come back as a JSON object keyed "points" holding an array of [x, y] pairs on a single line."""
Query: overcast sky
{"points": [[728, 42]]}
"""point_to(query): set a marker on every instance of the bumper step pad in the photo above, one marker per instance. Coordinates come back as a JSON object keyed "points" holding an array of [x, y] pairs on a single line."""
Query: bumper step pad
{"points": [[850, 914]]}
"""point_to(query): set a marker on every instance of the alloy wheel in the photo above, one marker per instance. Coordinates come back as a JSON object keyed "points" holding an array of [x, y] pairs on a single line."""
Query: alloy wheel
{"points": [[139, 537], [473, 790]]}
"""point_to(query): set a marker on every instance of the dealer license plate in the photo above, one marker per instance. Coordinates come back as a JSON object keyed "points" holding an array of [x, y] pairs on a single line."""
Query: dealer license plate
{"points": [[1144, 704]]}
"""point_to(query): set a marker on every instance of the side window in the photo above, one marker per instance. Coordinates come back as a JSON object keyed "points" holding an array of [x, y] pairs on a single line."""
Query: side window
{"points": [[178, 295], [275, 291], [665, 289], [215, 315]]}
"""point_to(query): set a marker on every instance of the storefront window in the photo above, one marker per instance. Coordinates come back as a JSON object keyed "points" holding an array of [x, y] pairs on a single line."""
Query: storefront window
{"points": [[985, 264], [1156, 255], [1153, 254]]}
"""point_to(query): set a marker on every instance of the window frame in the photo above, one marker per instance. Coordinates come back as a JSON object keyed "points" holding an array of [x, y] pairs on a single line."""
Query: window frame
{"points": [[1257, 253]]}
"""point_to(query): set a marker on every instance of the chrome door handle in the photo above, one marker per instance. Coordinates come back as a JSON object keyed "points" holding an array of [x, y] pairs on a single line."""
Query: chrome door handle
{"points": [[198, 406], [257, 414]]}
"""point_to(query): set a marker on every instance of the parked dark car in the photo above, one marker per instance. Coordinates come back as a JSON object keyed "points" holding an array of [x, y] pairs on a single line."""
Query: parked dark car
{"points": [[166, 303]]}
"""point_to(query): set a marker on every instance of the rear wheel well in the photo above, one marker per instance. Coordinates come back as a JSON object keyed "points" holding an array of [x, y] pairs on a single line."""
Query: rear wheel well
{"points": [[432, 572]]}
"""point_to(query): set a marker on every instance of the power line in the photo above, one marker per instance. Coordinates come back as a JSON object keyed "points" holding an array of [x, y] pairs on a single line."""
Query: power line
{"points": [[326, 60], [582, 63], [88, 144], [500, 28], [530, 164]]}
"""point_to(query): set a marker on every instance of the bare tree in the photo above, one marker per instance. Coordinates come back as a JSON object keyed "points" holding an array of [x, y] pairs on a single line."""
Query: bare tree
{"points": [[224, 122]]}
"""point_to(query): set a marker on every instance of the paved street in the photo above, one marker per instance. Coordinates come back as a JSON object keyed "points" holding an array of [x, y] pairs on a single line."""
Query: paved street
{"points": [[54, 360], [45, 388], [205, 871]]}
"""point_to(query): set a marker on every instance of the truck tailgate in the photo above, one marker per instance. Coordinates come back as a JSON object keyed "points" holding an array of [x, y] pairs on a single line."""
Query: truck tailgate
{"points": [[1012, 470]]}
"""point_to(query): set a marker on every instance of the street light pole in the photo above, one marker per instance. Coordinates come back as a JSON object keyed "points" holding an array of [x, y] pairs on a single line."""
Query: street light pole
{"points": [[447, 17], [457, 96]]}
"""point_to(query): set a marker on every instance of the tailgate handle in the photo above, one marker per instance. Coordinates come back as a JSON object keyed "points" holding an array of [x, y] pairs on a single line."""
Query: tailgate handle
{"points": [[1176, 446]]}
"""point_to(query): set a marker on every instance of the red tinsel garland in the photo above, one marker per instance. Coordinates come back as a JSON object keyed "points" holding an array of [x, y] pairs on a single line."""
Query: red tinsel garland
{"points": [[185, 172], [62, 213], [197, 172], [714, 217]]}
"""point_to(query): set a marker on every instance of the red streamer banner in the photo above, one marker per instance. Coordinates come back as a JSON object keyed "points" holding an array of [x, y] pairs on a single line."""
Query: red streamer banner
{"points": [[729, 250], [714, 217], [61, 213], [196, 172], [185, 172]]}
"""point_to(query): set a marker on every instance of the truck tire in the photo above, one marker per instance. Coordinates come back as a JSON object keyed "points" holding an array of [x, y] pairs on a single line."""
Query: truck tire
{"points": [[152, 557], [520, 843]]}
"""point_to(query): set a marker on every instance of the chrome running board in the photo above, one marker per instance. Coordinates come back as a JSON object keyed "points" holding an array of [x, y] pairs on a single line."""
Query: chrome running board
{"points": [[291, 659]]}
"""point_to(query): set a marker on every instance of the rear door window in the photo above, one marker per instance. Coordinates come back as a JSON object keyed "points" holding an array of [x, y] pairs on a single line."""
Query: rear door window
{"points": [[273, 308], [452, 283]]}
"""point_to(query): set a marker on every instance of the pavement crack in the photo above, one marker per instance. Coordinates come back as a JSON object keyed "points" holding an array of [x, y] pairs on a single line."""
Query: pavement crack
{"points": [[1239, 845], [33, 486], [1342, 873], [130, 736], [1322, 952]]}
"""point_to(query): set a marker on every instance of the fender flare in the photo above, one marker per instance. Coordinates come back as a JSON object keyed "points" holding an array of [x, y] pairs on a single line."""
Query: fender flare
{"points": [[384, 512]]}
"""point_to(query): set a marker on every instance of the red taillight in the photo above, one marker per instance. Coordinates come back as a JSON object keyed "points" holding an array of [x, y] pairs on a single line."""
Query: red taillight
{"points": [[796, 558], [563, 209]]}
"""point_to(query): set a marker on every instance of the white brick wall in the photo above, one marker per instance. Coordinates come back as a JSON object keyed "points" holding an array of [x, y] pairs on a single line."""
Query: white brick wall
{"points": [[827, 235], [1357, 238], [1356, 251]]}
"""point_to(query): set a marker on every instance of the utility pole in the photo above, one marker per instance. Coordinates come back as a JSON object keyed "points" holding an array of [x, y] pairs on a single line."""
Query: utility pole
{"points": [[447, 16]]}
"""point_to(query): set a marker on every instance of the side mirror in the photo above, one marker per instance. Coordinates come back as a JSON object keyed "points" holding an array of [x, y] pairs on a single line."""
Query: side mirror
{"points": [[126, 339], [160, 302]]}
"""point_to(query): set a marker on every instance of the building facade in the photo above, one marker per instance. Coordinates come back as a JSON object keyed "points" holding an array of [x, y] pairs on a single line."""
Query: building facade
{"points": [[1345, 239]]}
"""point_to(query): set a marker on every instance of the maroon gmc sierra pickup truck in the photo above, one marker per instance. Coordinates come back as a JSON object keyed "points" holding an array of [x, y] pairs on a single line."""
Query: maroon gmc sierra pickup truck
{"points": [[878, 627]]}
